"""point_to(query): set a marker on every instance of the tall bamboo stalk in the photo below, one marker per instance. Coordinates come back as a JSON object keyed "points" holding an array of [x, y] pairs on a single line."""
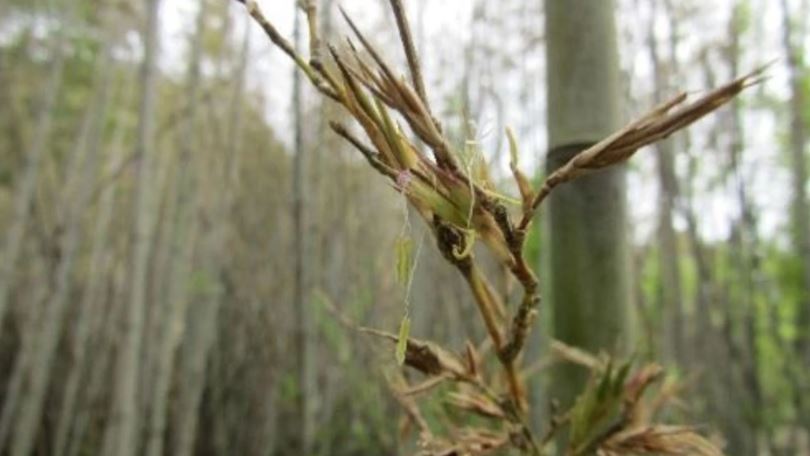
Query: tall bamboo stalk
{"points": [[26, 187], [301, 258], [28, 417], [123, 430], [90, 310], [670, 295], [590, 289]]}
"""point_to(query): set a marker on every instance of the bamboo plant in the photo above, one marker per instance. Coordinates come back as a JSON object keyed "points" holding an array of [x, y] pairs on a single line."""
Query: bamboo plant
{"points": [[399, 136]]}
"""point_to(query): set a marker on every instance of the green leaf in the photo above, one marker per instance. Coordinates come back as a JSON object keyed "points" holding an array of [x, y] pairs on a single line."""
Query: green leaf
{"points": [[404, 253], [402, 340], [621, 377], [604, 384], [582, 412]]}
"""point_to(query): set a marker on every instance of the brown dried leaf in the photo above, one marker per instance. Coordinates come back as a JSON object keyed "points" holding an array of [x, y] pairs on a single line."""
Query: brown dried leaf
{"points": [[424, 356], [575, 355], [412, 412], [660, 440], [423, 387], [640, 381], [466, 442], [659, 123], [475, 403], [473, 359]]}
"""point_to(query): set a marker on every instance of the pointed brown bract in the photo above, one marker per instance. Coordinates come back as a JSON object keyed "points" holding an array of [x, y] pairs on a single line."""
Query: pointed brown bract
{"points": [[475, 403], [656, 125], [473, 360], [662, 440]]}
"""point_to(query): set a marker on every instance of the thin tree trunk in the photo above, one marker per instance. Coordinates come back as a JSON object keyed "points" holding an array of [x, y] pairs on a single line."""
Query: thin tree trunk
{"points": [[590, 289], [320, 249], [233, 142], [302, 351], [202, 318], [13, 392], [792, 44], [90, 308], [123, 429], [801, 213], [670, 291], [100, 372], [170, 315], [45, 341], [168, 249], [202, 314], [745, 354], [200, 339], [26, 189]]}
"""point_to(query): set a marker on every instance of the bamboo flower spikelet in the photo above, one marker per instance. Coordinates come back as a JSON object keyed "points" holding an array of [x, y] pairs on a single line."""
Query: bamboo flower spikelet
{"points": [[399, 136]]}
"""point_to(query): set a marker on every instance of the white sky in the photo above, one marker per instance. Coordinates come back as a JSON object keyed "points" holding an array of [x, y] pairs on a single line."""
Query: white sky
{"points": [[447, 27]]}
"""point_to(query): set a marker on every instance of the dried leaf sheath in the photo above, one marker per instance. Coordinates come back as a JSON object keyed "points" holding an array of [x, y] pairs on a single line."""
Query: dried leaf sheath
{"points": [[658, 124]]}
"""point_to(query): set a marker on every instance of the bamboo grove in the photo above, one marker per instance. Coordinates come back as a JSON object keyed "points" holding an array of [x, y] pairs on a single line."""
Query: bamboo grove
{"points": [[342, 227]]}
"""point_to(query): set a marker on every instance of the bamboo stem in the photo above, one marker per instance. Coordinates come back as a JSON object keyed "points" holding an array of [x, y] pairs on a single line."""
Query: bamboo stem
{"points": [[310, 7], [410, 50], [287, 47]]}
